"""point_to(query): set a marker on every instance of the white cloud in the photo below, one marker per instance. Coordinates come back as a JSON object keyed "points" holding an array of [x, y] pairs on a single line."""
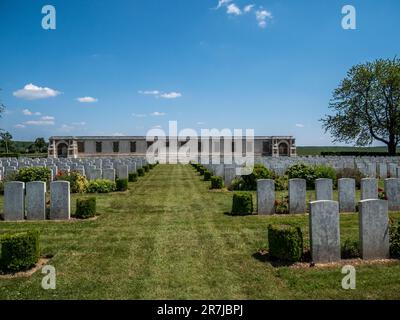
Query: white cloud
{"points": [[87, 99], [160, 94], [150, 92], [47, 118], [262, 16], [40, 123], [300, 125], [118, 134], [200, 123], [43, 121], [157, 114], [19, 126], [32, 92], [222, 3], [66, 128], [138, 115], [248, 8], [171, 95], [233, 9], [28, 112], [82, 123]]}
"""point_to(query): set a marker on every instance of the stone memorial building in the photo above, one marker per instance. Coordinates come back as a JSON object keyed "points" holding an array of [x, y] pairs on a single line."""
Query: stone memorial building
{"points": [[117, 146]]}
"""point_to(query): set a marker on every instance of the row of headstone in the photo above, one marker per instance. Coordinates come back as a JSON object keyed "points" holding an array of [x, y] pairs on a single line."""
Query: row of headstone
{"points": [[324, 191], [92, 168], [324, 222], [29, 201]]}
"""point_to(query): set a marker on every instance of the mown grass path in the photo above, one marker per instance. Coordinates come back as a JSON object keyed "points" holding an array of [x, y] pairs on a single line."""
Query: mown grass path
{"points": [[168, 238]]}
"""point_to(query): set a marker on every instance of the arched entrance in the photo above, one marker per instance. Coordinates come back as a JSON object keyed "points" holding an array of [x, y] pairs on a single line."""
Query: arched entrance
{"points": [[62, 150], [283, 149]]}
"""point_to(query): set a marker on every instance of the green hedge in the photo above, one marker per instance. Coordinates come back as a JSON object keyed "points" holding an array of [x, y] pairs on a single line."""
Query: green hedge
{"points": [[217, 182], [140, 172], [78, 182], [311, 173], [85, 208], [242, 204], [285, 242], [19, 251], [146, 168], [31, 174], [207, 175], [122, 184], [395, 239], [132, 177], [101, 186], [9, 155]]}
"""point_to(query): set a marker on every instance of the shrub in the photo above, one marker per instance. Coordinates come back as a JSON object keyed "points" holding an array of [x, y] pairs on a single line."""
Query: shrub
{"points": [[78, 182], [207, 175], [281, 183], [1, 188], [350, 173], [122, 184], [259, 172], [282, 205], [311, 173], [394, 239], [132, 177], [237, 184], [140, 172], [325, 172], [382, 194], [285, 242], [242, 204], [146, 168], [217, 182], [202, 170], [19, 251], [85, 208], [101, 186], [350, 249], [33, 174]]}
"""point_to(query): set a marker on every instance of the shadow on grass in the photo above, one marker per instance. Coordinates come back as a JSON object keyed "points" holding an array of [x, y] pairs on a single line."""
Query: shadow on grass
{"points": [[264, 257]]}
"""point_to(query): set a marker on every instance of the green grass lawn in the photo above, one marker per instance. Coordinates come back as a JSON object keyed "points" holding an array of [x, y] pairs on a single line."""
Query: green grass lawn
{"points": [[169, 238]]}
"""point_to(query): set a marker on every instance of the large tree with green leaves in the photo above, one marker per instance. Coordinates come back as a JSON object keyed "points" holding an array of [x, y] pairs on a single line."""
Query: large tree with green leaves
{"points": [[6, 139], [367, 105]]}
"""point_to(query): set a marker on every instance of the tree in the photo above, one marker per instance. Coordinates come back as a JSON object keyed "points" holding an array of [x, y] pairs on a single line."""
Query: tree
{"points": [[367, 105], [39, 145], [6, 138]]}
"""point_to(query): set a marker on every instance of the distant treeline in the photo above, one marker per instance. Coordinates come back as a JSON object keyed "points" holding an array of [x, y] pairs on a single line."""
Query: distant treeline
{"points": [[343, 151]]}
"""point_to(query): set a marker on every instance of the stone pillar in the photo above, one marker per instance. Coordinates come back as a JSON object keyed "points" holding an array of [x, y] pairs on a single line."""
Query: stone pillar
{"points": [[324, 231], [374, 229], [14, 193], [392, 190], [297, 195], [382, 170], [36, 200], [347, 195], [369, 188], [60, 204], [109, 174], [324, 189], [266, 196], [229, 175], [122, 172]]}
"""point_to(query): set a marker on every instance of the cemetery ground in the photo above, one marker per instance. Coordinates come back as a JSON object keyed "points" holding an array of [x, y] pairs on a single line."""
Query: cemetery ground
{"points": [[169, 237]]}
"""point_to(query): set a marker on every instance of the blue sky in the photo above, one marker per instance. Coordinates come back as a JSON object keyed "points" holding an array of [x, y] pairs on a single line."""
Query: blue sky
{"points": [[126, 66]]}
